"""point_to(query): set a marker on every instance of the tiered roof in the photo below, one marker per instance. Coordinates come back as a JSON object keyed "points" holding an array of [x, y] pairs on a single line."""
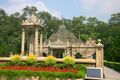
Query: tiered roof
{"points": [[62, 36]]}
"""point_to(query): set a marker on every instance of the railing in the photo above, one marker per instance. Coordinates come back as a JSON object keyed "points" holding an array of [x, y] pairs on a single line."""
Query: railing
{"points": [[6, 59]]}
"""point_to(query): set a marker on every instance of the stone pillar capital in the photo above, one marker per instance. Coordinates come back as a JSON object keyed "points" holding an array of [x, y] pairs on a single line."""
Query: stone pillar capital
{"points": [[99, 44]]}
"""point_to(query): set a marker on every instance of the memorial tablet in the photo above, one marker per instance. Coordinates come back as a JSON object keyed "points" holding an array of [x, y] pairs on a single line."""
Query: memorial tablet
{"points": [[94, 73]]}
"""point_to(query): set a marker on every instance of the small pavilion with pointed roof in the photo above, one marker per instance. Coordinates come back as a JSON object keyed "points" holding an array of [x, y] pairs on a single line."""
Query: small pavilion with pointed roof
{"points": [[33, 25]]}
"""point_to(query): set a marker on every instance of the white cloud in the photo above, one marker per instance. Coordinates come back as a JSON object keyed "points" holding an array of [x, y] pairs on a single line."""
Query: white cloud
{"points": [[17, 5], [105, 7], [89, 5], [110, 6], [102, 9]]}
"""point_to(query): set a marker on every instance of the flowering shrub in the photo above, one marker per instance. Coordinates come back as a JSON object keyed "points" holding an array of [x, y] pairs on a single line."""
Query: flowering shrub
{"points": [[50, 60], [69, 61], [31, 59], [16, 59], [47, 69]]}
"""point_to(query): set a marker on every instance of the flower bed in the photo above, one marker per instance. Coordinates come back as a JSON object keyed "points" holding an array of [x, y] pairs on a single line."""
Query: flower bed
{"points": [[48, 69], [44, 69]]}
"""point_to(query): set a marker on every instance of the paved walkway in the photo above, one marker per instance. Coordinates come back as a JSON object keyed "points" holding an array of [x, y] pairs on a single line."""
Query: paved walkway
{"points": [[111, 74]]}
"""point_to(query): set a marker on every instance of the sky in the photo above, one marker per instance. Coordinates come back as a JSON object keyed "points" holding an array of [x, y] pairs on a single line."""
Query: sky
{"points": [[102, 9]]}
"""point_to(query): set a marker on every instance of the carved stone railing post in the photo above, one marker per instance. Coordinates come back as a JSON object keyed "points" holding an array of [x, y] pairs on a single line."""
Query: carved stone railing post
{"points": [[99, 54]]}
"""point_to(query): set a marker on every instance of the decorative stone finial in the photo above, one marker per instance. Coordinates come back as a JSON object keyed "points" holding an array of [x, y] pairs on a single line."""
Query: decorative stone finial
{"points": [[99, 43]]}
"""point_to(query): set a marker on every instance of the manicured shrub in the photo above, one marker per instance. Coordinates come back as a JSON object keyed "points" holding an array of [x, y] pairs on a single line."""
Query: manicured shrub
{"points": [[16, 59], [31, 59], [69, 61], [50, 60]]}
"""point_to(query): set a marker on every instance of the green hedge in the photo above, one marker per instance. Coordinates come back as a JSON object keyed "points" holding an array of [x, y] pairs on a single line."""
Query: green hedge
{"points": [[113, 65]]}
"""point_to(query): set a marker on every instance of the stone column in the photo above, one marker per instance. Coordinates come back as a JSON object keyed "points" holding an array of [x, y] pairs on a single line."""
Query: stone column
{"points": [[36, 42], [23, 42], [31, 44], [99, 54], [41, 42]]}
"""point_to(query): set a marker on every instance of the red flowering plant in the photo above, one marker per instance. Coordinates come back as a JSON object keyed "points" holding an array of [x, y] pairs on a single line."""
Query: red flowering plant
{"points": [[44, 69]]}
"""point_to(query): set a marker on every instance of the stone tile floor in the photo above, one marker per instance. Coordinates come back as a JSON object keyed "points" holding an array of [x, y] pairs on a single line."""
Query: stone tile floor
{"points": [[111, 74]]}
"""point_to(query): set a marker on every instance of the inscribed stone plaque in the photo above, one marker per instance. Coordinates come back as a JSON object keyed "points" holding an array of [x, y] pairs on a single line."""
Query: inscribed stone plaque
{"points": [[94, 73]]}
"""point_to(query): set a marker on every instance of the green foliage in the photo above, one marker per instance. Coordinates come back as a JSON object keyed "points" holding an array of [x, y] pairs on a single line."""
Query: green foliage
{"points": [[31, 59], [113, 65], [16, 59], [80, 67], [40, 64], [84, 37], [115, 19], [69, 61], [60, 65], [50, 60]]}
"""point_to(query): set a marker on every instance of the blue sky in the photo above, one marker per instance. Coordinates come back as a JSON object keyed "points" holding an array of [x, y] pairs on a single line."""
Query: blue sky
{"points": [[102, 9]]}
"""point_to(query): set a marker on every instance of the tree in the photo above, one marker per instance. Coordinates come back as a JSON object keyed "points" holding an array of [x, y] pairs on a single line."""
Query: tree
{"points": [[33, 9], [27, 11], [115, 19]]}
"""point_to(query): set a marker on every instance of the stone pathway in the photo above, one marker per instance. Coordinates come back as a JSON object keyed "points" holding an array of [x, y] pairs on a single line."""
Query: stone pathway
{"points": [[111, 74]]}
